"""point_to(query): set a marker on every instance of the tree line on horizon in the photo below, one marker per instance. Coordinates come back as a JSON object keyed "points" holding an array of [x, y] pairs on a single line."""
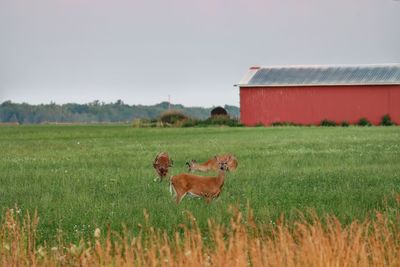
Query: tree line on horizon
{"points": [[96, 112]]}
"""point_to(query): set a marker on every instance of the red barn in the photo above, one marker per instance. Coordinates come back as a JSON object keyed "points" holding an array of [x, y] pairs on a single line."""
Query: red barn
{"points": [[310, 94]]}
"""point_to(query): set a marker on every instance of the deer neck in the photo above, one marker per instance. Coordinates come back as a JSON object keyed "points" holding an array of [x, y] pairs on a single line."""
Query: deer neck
{"points": [[221, 177]]}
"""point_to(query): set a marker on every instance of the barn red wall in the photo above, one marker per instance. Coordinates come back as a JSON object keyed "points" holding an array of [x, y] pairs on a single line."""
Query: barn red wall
{"points": [[310, 105]]}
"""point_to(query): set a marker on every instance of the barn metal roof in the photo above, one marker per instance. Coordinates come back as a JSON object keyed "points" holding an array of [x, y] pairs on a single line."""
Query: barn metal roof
{"points": [[314, 75]]}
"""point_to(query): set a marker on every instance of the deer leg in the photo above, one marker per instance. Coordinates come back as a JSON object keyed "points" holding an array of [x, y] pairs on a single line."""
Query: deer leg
{"points": [[179, 197]]}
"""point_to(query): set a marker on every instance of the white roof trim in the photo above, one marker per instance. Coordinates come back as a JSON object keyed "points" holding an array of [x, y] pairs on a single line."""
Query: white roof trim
{"points": [[326, 66], [247, 77]]}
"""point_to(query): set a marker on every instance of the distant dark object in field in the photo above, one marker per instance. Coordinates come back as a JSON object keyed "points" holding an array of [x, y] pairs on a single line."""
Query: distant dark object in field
{"points": [[219, 111], [161, 164]]}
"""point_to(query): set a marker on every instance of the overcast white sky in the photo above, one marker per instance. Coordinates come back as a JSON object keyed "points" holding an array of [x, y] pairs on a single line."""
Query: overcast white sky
{"points": [[194, 50]]}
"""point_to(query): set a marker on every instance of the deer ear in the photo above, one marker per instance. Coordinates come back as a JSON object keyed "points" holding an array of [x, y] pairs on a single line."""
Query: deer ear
{"points": [[187, 163]]}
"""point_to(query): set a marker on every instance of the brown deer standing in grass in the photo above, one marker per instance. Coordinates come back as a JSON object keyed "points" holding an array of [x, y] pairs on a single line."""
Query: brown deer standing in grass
{"points": [[207, 187], [212, 164], [161, 164]]}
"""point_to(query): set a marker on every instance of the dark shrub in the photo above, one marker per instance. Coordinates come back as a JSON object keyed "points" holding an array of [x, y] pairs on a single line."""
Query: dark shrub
{"points": [[386, 120], [221, 120], [278, 123], [234, 123], [345, 124], [214, 121], [327, 123], [190, 123], [285, 123], [364, 122]]}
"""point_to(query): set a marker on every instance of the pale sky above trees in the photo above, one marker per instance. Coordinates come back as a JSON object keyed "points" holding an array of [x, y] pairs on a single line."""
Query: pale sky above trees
{"points": [[194, 51]]}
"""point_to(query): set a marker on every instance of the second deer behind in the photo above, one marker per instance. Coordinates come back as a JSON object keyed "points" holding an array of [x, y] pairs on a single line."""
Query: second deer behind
{"points": [[212, 164]]}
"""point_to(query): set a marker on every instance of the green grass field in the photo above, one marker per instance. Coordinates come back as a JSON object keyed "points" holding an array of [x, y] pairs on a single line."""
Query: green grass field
{"points": [[82, 177]]}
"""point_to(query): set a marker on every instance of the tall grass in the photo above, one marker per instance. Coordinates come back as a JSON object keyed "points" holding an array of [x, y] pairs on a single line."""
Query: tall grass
{"points": [[306, 242]]}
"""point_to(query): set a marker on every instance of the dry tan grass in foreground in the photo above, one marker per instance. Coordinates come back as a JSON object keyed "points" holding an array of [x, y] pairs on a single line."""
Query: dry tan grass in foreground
{"points": [[242, 243]]}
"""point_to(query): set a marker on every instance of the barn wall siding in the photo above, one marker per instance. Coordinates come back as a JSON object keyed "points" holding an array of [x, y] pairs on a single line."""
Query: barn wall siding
{"points": [[310, 105]]}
